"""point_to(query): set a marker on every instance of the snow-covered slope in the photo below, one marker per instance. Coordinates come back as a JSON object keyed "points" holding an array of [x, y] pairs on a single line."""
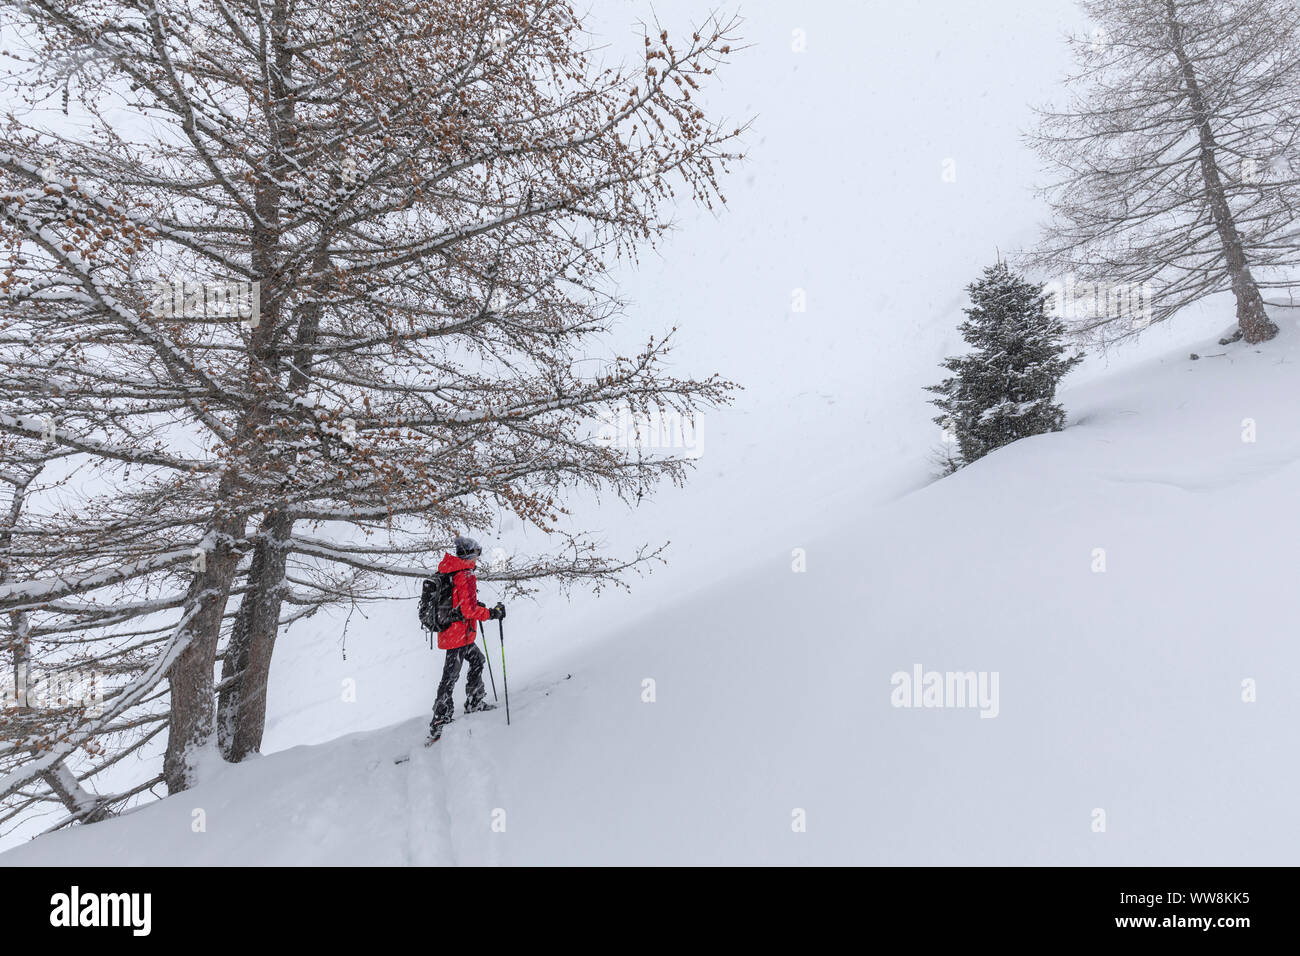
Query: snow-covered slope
{"points": [[1118, 690]]}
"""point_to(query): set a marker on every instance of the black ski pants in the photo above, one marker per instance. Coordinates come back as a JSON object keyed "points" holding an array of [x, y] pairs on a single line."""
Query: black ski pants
{"points": [[474, 690]]}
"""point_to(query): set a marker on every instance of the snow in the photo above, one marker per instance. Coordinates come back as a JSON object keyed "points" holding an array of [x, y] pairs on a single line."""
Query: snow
{"points": [[1119, 690]]}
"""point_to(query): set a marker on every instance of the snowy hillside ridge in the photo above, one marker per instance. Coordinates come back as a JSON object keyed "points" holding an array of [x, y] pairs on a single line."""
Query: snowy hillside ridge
{"points": [[1129, 580]]}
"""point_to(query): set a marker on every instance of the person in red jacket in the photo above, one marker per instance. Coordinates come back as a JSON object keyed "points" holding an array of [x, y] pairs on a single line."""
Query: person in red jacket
{"points": [[458, 639]]}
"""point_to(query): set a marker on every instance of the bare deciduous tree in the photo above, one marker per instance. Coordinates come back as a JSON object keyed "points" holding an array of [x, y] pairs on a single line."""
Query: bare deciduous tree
{"points": [[1178, 156], [424, 199]]}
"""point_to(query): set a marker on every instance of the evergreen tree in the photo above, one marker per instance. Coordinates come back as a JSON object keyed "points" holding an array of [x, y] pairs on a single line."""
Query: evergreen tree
{"points": [[1005, 388]]}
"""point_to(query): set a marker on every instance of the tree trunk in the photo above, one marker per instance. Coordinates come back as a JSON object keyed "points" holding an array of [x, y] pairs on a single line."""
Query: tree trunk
{"points": [[241, 716], [19, 624], [191, 675], [1252, 319], [241, 709], [20, 641]]}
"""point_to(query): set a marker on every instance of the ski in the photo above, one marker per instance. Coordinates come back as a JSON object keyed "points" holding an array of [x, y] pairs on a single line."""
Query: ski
{"points": [[431, 739], [428, 742]]}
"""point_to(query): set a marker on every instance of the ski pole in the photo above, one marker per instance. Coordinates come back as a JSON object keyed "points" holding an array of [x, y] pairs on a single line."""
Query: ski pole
{"points": [[488, 657], [505, 684]]}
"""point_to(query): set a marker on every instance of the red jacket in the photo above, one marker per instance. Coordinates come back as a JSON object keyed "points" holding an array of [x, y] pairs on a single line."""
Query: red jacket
{"points": [[464, 595]]}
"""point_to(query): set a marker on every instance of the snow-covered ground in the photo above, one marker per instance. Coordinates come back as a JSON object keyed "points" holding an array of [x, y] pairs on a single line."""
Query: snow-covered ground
{"points": [[774, 690]]}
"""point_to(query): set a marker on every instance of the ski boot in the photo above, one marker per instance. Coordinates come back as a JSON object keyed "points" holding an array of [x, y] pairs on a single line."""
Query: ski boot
{"points": [[435, 731]]}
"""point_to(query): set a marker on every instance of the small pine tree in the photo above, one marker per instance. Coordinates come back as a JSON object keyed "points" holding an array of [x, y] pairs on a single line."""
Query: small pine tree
{"points": [[1005, 388]]}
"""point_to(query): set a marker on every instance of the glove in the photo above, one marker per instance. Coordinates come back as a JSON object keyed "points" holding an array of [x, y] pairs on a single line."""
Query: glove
{"points": [[498, 612]]}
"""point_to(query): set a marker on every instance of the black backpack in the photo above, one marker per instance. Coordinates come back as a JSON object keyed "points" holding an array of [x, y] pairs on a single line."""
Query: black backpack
{"points": [[436, 610]]}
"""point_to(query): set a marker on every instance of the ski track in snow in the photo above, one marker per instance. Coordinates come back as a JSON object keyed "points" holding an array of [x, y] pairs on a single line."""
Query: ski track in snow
{"points": [[426, 840], [451, 793], [471, 799]]}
